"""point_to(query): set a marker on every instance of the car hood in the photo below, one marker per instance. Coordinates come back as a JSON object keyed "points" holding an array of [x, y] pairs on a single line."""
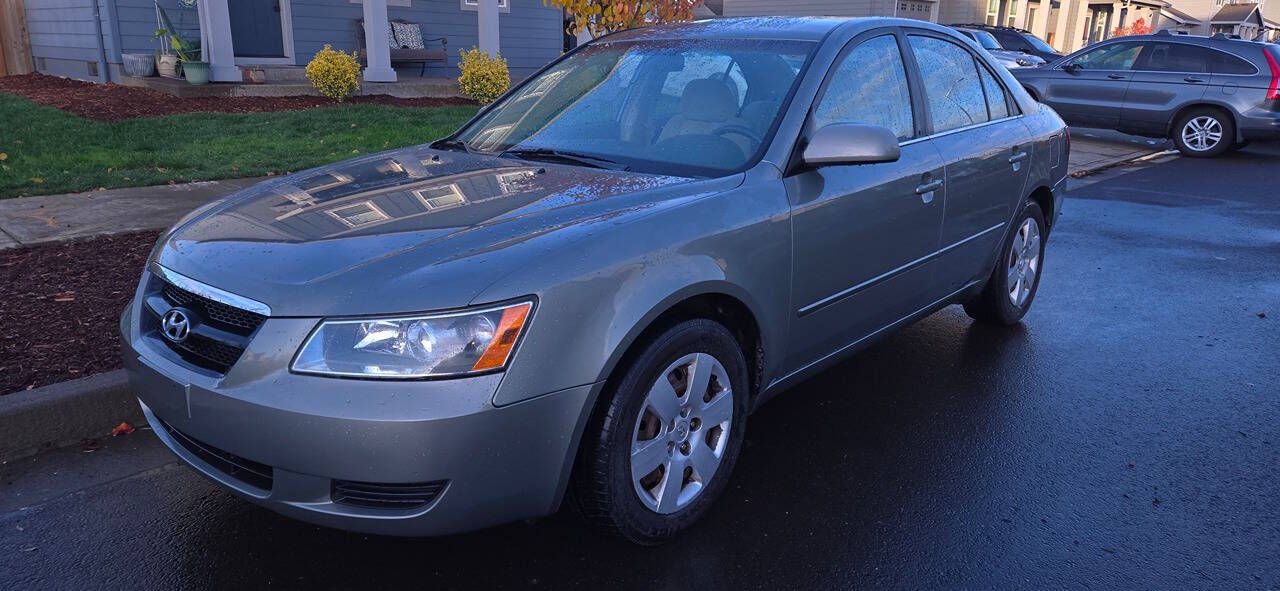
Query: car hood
{"points": [[1012, 55], [406, 230]]}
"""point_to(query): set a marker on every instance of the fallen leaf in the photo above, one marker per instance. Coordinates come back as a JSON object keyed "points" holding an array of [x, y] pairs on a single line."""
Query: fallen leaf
{"points": [[353, 126], [354, 151], [122, 429], [66, 296], [4, 156], [37, 180]]}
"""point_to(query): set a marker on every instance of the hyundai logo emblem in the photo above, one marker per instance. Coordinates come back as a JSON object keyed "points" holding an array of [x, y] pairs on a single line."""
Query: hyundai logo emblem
{"points": [[176, 325]]}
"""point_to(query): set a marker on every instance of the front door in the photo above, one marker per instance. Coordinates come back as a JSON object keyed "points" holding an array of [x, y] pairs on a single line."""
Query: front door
{"points": [[864, 235], [256, 29], [1089, 89], [986, 152]]}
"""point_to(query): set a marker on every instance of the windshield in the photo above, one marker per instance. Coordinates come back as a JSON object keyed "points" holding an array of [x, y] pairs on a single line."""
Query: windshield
{"points": [[1039, 43], [985, 39], [679, 107]]}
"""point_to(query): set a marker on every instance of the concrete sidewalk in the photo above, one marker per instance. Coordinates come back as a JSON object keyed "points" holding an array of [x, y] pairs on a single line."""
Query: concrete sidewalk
{"points": [[52, 218]]}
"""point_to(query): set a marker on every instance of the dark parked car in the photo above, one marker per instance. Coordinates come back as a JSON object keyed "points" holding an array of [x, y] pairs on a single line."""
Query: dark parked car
{"points": [[585, 291], [1208, 94], [1020, 40], [1007, 57]]}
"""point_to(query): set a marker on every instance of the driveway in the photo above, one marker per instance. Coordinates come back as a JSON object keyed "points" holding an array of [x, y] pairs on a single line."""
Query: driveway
{"points": [[1126, 436]]}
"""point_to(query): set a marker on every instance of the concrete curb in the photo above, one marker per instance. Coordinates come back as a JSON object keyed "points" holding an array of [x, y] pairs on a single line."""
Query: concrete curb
{"points": [[1100, 166], [65, 413]]}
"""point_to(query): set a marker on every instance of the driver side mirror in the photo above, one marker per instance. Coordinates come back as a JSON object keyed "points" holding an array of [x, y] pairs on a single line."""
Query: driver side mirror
{"points": [[851, 143]]}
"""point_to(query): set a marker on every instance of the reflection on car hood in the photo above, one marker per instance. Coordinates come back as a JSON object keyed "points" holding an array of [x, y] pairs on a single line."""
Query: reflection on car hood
{"points": [[405, 230], [1012, 55]]}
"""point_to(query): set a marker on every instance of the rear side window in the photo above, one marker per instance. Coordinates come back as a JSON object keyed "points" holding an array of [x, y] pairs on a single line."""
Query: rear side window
{"points": [[869, 86], [997, 101], [1010, 40], [952, 88], [1221, 62], [1175, 57]]}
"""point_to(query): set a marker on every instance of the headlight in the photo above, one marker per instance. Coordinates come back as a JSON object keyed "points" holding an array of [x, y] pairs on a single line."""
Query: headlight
{"points": [[431, 345]]}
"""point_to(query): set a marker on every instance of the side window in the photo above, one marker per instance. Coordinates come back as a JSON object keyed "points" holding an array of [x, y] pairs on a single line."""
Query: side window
{"points": [[997, 101], [1224, 63], [1012, 41], [952, 88], [1175, 57], [1117, 56], [869, 86]]}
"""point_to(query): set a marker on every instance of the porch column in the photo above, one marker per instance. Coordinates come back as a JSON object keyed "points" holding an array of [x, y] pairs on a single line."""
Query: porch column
{"points": [[215, 35], [1040, 28], [378, 52], [487, 23], [1066, 12]]}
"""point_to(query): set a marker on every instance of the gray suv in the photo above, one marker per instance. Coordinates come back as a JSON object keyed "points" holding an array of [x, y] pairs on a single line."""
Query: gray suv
{"points": [[584, 292], [1208, 94]]}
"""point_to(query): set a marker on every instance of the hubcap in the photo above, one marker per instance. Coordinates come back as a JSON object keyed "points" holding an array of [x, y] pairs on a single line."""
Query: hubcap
{"points": [[1202, 133], [681, 433], [1024, 261]]}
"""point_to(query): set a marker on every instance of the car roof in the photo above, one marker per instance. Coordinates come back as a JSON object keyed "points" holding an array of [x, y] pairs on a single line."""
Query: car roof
{"points": [[806, 28], [1207, 41]]}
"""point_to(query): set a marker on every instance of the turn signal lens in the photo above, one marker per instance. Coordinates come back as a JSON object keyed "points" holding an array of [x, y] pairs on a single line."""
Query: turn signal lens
{"points": [[509, 328]]}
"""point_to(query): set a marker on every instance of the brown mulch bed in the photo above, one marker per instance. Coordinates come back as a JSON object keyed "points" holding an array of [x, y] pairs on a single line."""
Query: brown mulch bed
{"points": [[60, 307], [113, 102]]}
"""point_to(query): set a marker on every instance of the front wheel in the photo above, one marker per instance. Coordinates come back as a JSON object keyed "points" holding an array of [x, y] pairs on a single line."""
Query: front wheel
{"points": [[1204, 133], [662, 447], [1012, 285]]}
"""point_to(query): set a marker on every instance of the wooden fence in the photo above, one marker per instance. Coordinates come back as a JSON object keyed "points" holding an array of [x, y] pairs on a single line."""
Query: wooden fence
{"points": [[15, 46]]}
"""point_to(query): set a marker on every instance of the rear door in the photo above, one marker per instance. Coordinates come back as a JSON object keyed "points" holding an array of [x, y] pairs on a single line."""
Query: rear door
{"points": [[1089, 89], [864, 234], [985, 150], [1167, 75]]}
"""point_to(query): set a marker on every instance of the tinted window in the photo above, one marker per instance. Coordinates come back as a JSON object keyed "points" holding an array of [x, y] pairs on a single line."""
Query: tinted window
{"points": [[1175, 57], [869, 86], [1011, 40], [1118, 56], [1225, 63], [952, 88], [997, 103]]}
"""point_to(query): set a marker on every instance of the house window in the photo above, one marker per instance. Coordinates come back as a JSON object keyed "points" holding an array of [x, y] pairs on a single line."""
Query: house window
{"points": [[515, 181], [473, 5], [358, 214]]}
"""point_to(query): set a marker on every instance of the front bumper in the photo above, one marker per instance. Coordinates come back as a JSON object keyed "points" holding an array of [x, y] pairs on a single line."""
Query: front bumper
{"points": [[493, 464]]}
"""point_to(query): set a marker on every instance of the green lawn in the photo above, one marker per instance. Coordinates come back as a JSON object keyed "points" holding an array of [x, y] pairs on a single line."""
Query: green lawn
{"points": [[44, 150]]}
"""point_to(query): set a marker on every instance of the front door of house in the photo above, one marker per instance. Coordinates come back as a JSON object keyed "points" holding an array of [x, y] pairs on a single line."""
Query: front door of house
{"points": [[255, 28]]}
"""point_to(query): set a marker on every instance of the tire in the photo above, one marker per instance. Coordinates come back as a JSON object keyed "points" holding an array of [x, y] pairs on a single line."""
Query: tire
{"points": [[995, 304], [605, 491], [1219, 133]]}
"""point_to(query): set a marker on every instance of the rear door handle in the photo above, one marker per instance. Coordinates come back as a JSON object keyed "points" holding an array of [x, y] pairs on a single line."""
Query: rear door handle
{"points": [[1194, 80], [927, 187], [1116, 76], [1017, 157]]}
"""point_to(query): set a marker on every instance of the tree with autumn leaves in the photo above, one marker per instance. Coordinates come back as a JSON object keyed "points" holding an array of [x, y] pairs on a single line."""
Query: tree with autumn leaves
{"points": [[1139, 27], [600, 17]]}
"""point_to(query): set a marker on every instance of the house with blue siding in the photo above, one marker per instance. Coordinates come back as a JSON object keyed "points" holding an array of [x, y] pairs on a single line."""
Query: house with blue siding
{"points": [[85, 38]]}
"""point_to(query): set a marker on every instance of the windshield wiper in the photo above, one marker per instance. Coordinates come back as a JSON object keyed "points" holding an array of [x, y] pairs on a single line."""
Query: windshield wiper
{"points": [[566, 155], [453, 144]]}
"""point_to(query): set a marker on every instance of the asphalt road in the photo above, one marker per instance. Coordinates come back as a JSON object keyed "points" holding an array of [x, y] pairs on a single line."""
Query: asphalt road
{"points": [[1126, 436]]}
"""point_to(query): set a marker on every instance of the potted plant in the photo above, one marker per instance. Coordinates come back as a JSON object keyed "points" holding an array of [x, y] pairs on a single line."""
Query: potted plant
{"points": [[178, 50], [139, 65]]}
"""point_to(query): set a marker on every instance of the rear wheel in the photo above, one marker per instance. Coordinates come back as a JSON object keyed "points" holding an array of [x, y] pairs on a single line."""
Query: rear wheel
{"points": [[662, 448], [1203, 133], [1013, 283]]}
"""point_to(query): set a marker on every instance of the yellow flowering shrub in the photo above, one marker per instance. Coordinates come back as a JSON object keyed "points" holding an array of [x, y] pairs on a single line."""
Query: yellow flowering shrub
{"points": [[334, 73], [483, 78]]}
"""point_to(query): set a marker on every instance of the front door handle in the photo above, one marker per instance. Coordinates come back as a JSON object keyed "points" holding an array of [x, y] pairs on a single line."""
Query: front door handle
{"points": [[1017, 157], [928, 187], [1116, 76], [1193, 80]]}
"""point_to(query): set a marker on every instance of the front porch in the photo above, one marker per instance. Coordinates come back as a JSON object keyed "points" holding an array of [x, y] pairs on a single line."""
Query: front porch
{"points": [[292, 81]]}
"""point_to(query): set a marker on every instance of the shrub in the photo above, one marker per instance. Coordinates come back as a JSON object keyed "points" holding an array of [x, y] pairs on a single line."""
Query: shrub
{"points": [[334, 73], [483, 78]]}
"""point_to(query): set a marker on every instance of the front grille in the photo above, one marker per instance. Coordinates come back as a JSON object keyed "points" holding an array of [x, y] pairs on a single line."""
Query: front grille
{"points": [[206, 352], [247, 471], [241, 322], [374, 495]]}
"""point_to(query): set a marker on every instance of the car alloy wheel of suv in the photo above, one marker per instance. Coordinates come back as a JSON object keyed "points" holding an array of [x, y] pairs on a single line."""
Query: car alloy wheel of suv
{"points": [[1203, 133]]}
